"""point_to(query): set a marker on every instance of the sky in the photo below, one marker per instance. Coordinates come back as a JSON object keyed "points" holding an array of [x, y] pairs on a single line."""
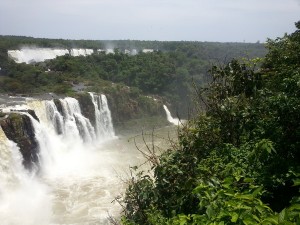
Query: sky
{"points": [[163, 20]]}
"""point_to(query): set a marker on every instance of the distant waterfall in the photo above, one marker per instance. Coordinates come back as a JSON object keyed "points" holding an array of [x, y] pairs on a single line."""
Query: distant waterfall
{"points": [[172, 120], [81, 52], [104, 125], [30, 55]]}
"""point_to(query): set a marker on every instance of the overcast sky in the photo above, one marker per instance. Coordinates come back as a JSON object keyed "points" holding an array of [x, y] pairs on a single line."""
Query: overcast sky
{"points": [[195, 20]]}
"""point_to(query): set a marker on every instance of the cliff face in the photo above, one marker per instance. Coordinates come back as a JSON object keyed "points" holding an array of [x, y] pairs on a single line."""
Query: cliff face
{"points": [[134, 111], [125, 107], [87, 107], [19, 129], [58, 106]]}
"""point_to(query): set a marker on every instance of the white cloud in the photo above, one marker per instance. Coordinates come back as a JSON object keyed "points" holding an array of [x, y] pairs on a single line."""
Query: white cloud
{"points": [[216, 20]]}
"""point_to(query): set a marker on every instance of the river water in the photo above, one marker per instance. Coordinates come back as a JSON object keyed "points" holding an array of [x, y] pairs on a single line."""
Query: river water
{"points": [[83, 190]]}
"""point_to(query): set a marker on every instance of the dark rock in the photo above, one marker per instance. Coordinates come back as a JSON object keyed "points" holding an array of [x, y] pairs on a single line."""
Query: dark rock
{"points": [[58, 105], [87, 107], [19, 129], [32, 113]]}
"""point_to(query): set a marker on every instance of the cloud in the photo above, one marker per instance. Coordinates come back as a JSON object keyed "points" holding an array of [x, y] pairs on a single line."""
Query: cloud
{"points": [[208, 20]]}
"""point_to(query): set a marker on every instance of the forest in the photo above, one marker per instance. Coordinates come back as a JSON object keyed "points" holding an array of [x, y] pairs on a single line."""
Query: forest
{"points": [[237, 162], [168, 72]]}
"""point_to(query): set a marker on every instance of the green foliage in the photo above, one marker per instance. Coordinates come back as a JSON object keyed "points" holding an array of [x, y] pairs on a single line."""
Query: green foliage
{"points": [[237, 162], [166, 72], [140, 195]]}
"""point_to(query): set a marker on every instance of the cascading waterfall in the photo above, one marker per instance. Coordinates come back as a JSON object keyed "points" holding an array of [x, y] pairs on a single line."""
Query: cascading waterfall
{"points": [[70, 124], [54, 117], [75, 123], [104, 125], [76, 180], [172, 120], [28, 55]]}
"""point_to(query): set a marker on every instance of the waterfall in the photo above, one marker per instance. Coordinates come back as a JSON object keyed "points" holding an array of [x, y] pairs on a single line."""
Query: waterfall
{"points": [[71, 124], [23, 199], [104, 125], [11, 161], [54, 117], [28, 55], [172, 120], [75, 181], [81, 52], [75, 122]]}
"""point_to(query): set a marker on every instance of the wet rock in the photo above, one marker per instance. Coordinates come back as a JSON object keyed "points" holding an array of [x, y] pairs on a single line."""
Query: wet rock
{"points": [[87, 107], [58, 105], [19, 129], [32, 113]]}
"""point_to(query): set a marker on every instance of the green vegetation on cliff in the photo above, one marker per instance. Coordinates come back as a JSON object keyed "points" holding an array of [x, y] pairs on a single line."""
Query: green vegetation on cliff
{"points": [[238, 161], [167, 72]]}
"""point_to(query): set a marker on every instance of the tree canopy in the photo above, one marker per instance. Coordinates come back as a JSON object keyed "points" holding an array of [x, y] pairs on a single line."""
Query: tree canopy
{"points": [[167, 72], [237, 162]]}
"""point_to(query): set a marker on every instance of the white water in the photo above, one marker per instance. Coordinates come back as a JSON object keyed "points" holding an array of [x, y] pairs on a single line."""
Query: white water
{"points": [[76, 124], [23, 198], [104, 123], [81, 52], [172, 120], [28, 55], [78, 178]]}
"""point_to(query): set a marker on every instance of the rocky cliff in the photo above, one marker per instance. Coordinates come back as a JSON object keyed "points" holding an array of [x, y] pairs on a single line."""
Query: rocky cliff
{"points": [[133, 111], [87, 107], [18, 128]]}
